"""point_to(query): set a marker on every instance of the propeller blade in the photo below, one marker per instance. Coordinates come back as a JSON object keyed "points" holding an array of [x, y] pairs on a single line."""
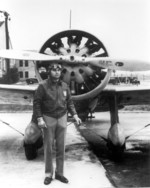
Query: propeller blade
{"points": [[117, 64], [26, 55]]}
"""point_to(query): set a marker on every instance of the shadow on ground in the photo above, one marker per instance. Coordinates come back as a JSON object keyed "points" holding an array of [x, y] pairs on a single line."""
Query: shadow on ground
{"points": [[133, 170]]}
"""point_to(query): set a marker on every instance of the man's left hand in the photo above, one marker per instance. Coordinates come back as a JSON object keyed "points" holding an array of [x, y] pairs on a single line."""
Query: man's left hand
{"points": [[77, 119]]}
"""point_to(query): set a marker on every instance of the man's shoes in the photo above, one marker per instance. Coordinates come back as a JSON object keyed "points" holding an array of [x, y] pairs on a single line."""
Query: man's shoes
{"points": [[48, 180], [61, 178]]}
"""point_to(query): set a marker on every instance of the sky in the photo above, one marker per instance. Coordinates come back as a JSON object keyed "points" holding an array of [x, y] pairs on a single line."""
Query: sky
{"points": [[123, 26]]}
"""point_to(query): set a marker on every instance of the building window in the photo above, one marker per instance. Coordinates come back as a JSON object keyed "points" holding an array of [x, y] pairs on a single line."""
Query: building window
{"points": [[26, 74], [21, 63], [21, 74], [26, 63]]}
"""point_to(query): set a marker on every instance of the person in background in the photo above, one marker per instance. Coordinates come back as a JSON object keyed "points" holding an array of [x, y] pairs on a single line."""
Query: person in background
{"points": [[51, 103]]}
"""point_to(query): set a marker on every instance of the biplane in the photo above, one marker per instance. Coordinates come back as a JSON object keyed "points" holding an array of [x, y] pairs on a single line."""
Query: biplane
{"points": [[87, 69]]}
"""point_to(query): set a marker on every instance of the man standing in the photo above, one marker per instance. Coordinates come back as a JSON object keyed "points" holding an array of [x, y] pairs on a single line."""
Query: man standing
{"points": [[51, 102]]}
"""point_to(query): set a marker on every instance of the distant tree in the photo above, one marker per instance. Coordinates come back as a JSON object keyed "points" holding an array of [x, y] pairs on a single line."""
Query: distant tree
{"points": [[11, 77]]}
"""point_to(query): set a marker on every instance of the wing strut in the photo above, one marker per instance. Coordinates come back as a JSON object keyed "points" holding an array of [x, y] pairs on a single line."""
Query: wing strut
{"points": [[11, 127], [137, 131]]}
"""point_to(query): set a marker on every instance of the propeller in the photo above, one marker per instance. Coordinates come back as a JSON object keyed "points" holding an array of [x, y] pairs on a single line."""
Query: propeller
{"points": [[102, 62]]}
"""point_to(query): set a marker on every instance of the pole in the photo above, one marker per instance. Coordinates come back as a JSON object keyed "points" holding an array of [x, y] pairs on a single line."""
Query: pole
{"points": [[70, 20], [7, 39]]}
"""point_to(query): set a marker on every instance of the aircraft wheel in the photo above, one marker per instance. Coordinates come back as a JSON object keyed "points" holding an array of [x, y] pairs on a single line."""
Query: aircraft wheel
{"points": [[31, 150]]}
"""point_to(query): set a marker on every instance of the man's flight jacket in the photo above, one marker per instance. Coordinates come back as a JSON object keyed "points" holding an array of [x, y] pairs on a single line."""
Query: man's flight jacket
{"points": [[52, 99]]}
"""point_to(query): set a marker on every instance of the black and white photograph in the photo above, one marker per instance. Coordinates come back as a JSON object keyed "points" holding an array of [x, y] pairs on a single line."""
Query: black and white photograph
{"points": [[74, 93]]}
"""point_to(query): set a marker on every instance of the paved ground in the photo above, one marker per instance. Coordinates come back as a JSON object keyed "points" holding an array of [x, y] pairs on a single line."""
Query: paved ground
{"points": [[82, 168]]}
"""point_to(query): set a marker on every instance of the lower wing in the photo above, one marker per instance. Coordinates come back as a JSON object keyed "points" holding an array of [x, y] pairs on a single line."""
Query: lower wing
{"points": [[16, 97]]}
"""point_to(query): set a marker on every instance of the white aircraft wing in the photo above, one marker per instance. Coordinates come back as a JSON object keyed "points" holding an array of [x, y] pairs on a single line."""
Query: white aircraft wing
{"points": [[16, 97], [129, 94]]}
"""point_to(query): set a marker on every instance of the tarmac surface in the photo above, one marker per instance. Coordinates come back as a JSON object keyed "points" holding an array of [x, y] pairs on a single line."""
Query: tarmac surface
{"points": [[82, 167]]}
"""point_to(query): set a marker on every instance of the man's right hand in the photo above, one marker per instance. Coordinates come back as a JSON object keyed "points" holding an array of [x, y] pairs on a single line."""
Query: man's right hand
{"points": [[41, 123]]}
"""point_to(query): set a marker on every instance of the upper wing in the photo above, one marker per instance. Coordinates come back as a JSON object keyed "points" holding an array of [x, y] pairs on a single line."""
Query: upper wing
{"points": [[129, 95], [16, 97]]}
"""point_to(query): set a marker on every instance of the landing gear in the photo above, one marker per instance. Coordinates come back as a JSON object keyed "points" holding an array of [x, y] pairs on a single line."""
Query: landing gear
{"points": [[116, 136]]}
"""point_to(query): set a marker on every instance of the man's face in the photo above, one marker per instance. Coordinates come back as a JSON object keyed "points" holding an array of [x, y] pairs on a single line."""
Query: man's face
{"points": [[55, 71]]}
